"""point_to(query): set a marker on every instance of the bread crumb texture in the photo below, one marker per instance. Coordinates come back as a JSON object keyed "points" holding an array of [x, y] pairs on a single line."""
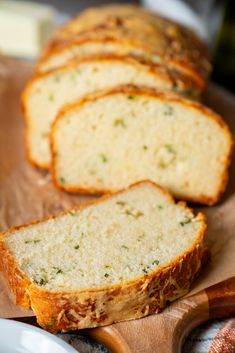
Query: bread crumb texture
{"points": [[116, 241], [123, 137], [121, 258]]}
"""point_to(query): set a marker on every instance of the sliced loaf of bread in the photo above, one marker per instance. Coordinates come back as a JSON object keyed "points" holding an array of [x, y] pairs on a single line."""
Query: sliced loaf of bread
{"points": [[46, 94], [104, 44], [136, 30], [121, 258], [112, 139]]}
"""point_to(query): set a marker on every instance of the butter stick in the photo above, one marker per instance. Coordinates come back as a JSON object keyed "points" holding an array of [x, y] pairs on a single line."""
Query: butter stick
{"points": [[24, 27]]}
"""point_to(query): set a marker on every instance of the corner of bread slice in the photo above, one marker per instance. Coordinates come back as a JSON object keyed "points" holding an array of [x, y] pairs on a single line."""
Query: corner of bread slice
{"points": [[15, 277]]}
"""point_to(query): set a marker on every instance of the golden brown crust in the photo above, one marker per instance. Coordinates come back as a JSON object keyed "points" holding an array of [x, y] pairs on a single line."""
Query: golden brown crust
{"points": [[15, 277], [176, 45], [148, 294], [171, 97], [177, 82], [198, 83]]}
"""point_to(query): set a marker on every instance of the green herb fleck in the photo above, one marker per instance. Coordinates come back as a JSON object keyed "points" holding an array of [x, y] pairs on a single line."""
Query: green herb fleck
{"points": [[119, 122], [130, 97], [41, 282], [128, 213], [160, 207], [58, 270], [145, 270], [77, 247], [62, 180], [136, 214], [32, 241], [190, 92], [103, 158], [168, 110], [51, 97], [141, 237], [125, 247], [162, 165], [155, 262], [121, 203], [107, 266], [170, 149], [72, 213], [145, 147], [174, 86], [106, 275], [185, 221]]}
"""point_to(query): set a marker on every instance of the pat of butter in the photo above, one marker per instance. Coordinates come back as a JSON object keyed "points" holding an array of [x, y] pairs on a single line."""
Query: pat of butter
{"points": [[24, 27]]}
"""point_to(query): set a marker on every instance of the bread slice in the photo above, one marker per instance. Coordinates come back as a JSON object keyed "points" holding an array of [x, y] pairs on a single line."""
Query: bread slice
{"points": [[110, 140], [46, 94], [136, 30], [121, 258], [102, 43]]}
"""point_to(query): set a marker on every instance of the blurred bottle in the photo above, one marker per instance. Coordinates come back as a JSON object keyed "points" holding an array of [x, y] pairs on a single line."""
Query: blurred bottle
{"points": [[201, 16], [224, 53]]}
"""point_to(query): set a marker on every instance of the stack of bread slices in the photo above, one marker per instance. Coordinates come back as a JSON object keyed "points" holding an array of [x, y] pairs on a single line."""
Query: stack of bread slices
{"points": [[114, 100]]}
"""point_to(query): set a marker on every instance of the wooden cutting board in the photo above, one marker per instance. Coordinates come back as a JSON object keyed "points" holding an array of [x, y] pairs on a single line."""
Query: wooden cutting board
{"points": [[27, 194]]}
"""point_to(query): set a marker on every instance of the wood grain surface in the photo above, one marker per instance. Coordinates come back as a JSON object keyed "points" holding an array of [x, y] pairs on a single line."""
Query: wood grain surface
{"points": [[27, 194]]}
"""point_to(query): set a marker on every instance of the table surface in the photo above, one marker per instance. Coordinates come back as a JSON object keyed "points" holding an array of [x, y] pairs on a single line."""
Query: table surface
{"points": [[199, 341]]}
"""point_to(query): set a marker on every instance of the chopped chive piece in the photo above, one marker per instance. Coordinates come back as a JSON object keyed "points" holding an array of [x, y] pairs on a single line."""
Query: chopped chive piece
{"points": [[130, 97], [168, 110], [125, 247], [145, 147], [155, 262], [162, 165], [170, 149], [141, 237], [32, 241], [136, 214], [106, 275], [62, 180], [174, 86], [77, 247], [119, 122], [121, 203], [160, 207], [186, 221], [128, 213], [41, 281], [103, 158], [58, 270], [107, 266], [72, 213], [145, 270]]}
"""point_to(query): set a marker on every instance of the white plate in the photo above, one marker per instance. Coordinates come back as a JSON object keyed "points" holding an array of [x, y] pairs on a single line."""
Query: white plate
{"points": [[17, 337]]}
